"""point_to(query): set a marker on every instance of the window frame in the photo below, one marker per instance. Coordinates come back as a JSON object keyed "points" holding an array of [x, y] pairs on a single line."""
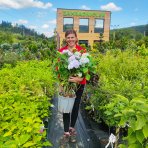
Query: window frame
{"points": [[88, 25], [99, 28], [64, 30]]}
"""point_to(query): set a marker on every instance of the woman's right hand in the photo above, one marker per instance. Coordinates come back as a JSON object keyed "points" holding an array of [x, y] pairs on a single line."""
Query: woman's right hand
{"points": [[75, 79]]}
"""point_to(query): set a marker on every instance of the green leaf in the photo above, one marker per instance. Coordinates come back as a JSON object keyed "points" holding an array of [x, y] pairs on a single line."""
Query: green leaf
{"points": [[137, 145], [10, 143], [24, 138], [122, 146], [140, 122], [7, 134], [130, 131], [140, 136], [132, 138], [28, 144], [122, 122], [108, 113], [87, 77], [85, 70], [47, 143], [118, 115], [144, 108], [145, 131], [29, 129], [29, 119], [88, 107]]}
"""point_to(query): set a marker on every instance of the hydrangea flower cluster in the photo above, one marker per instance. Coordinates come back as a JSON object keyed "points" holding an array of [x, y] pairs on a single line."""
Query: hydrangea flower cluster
{"points": [[76, 59], [67, 64]]}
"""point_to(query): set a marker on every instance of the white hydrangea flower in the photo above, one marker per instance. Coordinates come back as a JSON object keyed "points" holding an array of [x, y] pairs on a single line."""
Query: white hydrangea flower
{"points": [[65, 51], [70, 53], [79, 74], [77, 55], [71, 58], [85, 54], [73, 64], [84, 60]]}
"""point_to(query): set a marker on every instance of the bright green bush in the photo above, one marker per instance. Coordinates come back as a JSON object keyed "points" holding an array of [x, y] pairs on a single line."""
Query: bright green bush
{"points": [[121, 95], [25, 94]]}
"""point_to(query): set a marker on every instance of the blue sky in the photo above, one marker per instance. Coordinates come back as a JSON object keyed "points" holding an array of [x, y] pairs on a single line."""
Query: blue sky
{"points": [[41, 14]]}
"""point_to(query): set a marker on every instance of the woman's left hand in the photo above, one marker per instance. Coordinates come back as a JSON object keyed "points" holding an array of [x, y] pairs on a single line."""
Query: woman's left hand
{"points": [[75, 79]]}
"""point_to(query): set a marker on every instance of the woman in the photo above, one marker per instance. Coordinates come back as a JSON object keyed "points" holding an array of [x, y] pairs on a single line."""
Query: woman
{"points": [[69, 120]]}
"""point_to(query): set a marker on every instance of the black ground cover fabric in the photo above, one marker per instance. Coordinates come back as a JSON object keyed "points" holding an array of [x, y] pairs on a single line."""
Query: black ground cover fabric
{"points": [[88, 134]]}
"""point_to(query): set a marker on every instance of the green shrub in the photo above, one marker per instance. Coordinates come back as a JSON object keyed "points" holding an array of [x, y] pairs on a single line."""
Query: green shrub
{"points": [[25, 94], [121, 95]]}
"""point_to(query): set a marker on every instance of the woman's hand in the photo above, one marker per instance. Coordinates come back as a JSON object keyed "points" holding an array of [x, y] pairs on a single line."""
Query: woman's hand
{"points": [[75, 79]]}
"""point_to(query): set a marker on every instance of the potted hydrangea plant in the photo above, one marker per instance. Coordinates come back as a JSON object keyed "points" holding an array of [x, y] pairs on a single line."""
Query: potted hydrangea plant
{"points": [[76, 63]]}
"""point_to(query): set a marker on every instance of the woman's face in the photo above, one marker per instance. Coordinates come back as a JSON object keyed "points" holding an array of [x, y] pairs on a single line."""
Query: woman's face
{"points": [[71, 40]]}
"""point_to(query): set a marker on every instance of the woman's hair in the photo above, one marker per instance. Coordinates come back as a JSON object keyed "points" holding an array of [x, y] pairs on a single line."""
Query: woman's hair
{"points": [[70, 32]]}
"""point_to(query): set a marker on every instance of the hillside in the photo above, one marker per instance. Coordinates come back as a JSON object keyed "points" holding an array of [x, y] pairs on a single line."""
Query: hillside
{"points": [[20, 34], [142, 28], [135, 32], [12, 34], [7, 27]]}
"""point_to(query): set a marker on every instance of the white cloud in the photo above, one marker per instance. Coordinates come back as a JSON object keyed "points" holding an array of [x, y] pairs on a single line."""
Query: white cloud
{"points": [[18, 4], [32, 27], [45, 26], [132, 24], [111, 7], [52, 22], [21, 22], [49, 33], [13, 24], [84, 7]]}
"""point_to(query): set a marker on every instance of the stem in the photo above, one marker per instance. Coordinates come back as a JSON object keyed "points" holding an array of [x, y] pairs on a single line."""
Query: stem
{"points": [[117, 136]]}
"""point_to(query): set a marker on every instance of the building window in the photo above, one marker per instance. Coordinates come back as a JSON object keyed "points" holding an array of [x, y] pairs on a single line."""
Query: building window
{"points": [[84, 26], [99, 26], [96, 41], [83, 42], [67, 24]]}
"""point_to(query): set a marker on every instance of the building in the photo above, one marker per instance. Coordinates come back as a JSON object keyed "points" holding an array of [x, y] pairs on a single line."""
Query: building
{"points": [[87, 23]]}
